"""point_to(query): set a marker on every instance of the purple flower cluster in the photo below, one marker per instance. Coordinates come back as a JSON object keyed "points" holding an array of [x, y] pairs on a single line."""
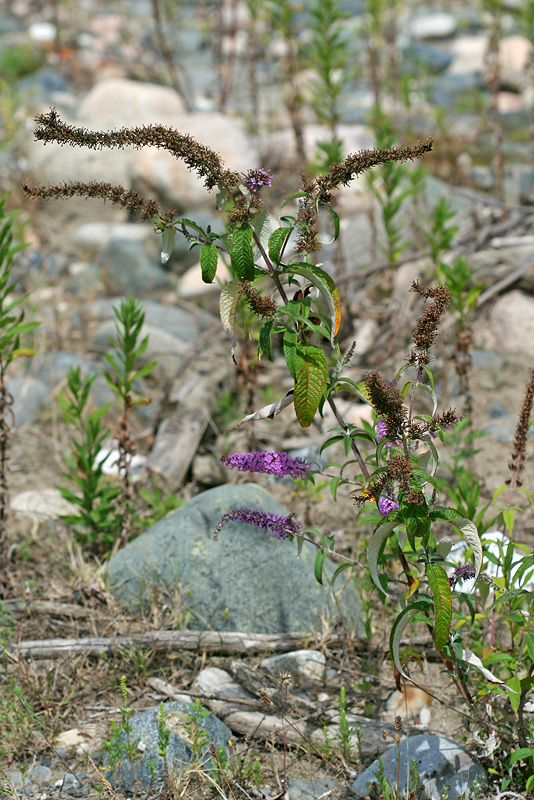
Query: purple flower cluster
{"points": [[381, 432], [463, 573], [254, 179], [387, 504], [270, 462], [281, 526]]}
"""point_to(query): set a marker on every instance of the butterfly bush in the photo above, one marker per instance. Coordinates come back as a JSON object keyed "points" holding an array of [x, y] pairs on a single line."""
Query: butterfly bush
{"points": [[280, 525], [268, 462]]}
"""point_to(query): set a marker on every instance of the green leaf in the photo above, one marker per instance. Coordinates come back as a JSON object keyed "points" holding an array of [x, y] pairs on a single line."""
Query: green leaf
{"points": [[290, 352], [335, 218], [230, 294], [289, 199], [415, 518], [241, 254], [276, 243], [334, 483], [529, 641], [467, 528], [441, 592], [265, 339], [262, 228], [398, 629], [167, 245], [521, 754], [189, 223], [322, 281], [374, 547], [208, 262], [318, 566], [514, 696], [310, 382]]}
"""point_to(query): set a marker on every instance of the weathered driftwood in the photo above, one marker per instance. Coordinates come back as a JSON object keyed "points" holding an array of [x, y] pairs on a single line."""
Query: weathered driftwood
{"points": [[190, 403], [160, 640], [47, 607]]}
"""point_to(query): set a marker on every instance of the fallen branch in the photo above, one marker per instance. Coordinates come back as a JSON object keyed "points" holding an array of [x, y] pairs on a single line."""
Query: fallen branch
{"points": [[160, 640]]}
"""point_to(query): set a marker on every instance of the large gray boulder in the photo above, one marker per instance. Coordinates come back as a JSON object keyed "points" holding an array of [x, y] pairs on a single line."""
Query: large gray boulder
{"points": [[247, 581], [440, 763], [146, 768]]}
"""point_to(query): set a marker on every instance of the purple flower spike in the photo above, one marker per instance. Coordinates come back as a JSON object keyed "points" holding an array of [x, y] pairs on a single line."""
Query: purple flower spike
{"points": [[270, 462], [387, 504], [281, 526], [462, 573], [381, 432], [254, 179]]}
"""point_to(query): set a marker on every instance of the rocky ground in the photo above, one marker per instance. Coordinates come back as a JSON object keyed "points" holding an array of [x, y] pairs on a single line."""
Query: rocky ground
{"points": [[101, 68]]}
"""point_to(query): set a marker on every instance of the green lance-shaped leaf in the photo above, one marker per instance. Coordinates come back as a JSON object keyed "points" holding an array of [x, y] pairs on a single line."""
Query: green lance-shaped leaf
{"points": [[290, 352], [310, 382], [322, 281], [228, 304], [241, 254], [398, 629], [468, 528], [262, 228], [208, 262], [374, 547], [265, 339], [318, 565], [167, 246], [276, 243], [441, 592]]}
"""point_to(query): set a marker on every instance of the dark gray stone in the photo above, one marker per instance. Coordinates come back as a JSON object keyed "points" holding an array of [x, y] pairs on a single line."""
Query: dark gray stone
{"points": [[179, 322], [440, 763], [148, 767], [246, 581], [418, 55], [128, 268]]}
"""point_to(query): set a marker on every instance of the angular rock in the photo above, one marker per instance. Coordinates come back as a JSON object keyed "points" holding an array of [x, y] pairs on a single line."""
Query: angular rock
{"points": [[148, 767], [307, 667], [213, 683], [128, 269], [117, 102], [510, 327], [435, 25], [247, 581], [440, 762], [158, 172], [31, 396], [41, 504]]}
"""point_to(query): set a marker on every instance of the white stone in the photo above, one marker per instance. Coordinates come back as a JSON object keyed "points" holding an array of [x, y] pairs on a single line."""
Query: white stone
{"points": [[117, 102], [438, 25], [493, 542], [191, 283], [41, 504], [510, 327], [469, 53], [101, 234], [514, 52], [42, 32], [306, 667]]}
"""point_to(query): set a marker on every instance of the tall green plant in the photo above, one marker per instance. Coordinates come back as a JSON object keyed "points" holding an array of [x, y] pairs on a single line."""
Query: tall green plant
{"points": [[12, 327]]}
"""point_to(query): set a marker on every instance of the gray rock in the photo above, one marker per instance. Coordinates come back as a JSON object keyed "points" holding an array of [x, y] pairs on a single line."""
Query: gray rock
{"points": [[301, 789], [307, 667], [128, 269], [162, 347], [418, 55], [182, 323], [179, 717], [40, 774], [31, 396], [440, 763], [246, 581], [116, 102], [99, 235]]}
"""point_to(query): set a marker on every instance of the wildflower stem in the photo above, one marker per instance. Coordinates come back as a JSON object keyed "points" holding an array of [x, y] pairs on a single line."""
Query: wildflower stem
{"points": [[270, 267], [353, 445]]}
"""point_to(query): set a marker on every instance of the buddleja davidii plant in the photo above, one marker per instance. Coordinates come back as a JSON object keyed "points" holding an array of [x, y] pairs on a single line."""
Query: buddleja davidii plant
{"points": [[406, 462], [250, 238]]}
